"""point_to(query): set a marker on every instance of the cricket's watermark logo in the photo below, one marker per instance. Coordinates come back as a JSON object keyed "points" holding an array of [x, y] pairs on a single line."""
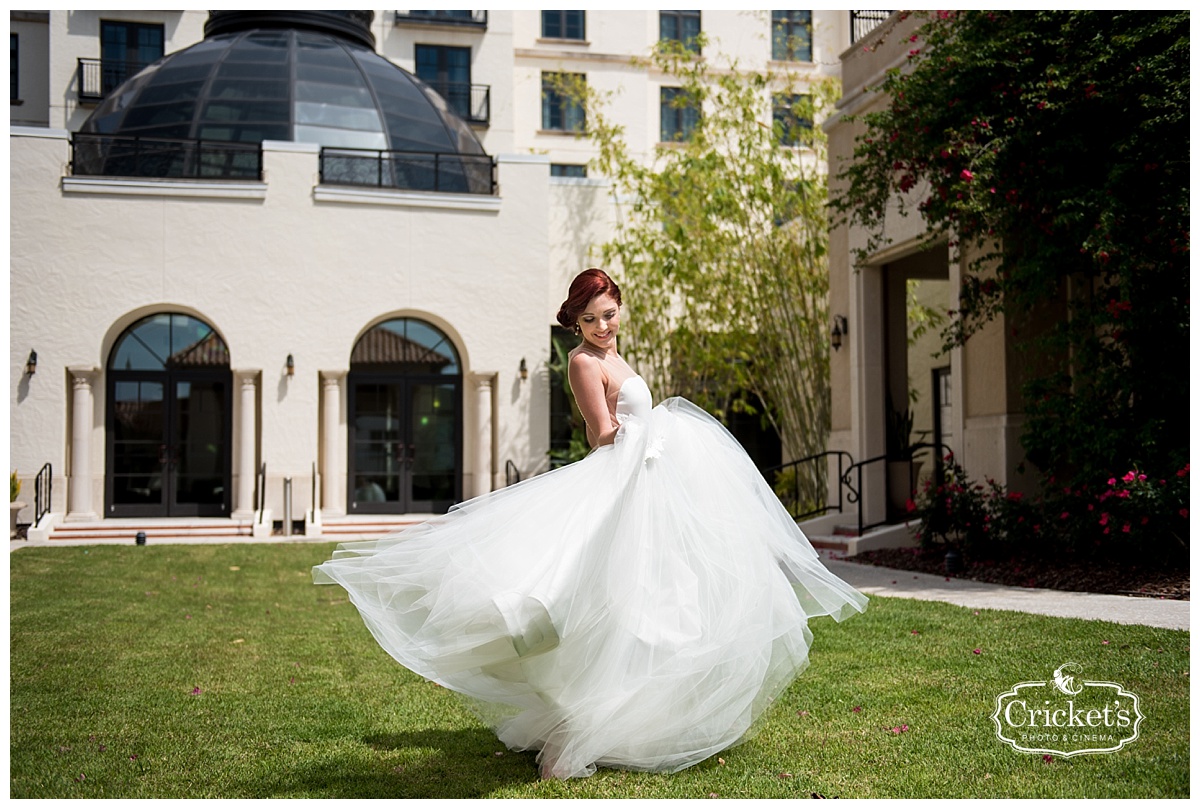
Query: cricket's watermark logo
{"points": [[1067, 716]]}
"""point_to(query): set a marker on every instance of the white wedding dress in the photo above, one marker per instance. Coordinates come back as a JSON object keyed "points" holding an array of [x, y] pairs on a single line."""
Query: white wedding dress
{"points": [[638, 609]]}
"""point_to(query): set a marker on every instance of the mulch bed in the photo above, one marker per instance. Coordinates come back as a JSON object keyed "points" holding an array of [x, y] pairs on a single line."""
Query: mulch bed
{"points": [[1145, 580]]}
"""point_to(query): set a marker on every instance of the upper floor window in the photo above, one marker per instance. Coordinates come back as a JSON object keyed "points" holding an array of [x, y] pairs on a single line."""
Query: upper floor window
{"points": [[13, 45], [559, 110], [680, 26], [791, 36], [568, 170], [792, 114], [448, 70], [678, 115], [563, 25], [126, 48]]}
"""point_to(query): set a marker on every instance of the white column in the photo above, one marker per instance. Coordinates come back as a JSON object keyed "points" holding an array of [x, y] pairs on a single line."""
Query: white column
{"points": [[333, 472], [483, 433], [247, 442], [79, 486]]}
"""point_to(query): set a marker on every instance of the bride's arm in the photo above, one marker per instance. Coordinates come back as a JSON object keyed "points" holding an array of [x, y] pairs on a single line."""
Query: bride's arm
{"points": [[587, 383]]}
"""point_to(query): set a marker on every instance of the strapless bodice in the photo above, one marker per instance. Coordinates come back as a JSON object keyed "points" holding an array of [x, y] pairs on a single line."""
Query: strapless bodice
{"points": [[634, 399]]}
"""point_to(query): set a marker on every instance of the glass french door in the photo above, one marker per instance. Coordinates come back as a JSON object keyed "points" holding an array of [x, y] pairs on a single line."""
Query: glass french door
{"points": [[168, 445], [169, 426], [405, 444]]}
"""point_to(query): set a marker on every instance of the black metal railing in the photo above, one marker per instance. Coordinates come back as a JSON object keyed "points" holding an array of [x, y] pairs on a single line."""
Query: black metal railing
{"points": [[864, 22], [467, 19], [511, 473], [260, 492], [414, 171], [852, 480], [778, 477], [472, 102], [96, 78], [134, 156], [42, 490]]}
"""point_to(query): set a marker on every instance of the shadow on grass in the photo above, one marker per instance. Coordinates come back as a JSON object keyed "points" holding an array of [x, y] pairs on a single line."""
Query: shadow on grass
{"points": [[427, 763]]}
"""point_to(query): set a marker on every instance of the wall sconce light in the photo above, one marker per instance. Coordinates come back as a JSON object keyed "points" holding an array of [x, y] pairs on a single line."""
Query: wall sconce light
{"points": [[31, 363], [524, 370], [291, 366], [840, 328]]}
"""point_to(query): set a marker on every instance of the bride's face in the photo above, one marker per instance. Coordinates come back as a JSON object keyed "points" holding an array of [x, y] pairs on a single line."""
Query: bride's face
{"points": [[600, 321]]}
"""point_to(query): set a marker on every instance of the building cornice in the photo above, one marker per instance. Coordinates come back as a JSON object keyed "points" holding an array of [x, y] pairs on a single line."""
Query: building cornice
{"points": [[406, 199], [163, 188]]}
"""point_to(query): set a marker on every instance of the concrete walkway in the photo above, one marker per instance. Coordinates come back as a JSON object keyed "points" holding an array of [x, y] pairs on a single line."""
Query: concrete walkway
{"points": [[884, 581], [1118, 609]]}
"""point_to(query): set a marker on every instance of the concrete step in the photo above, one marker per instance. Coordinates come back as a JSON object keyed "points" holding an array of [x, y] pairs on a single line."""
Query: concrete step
{"points": [[359, 527], [127, 530]]}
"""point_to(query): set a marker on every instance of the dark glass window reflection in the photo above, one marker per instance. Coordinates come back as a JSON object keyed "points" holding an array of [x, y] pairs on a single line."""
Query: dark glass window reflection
{"points": [[126, 48], [164, 341]]}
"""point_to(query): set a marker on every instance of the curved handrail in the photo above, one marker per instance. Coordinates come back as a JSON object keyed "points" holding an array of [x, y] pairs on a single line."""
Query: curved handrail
{"points": [[42, 489], [260, 493], [842, 455], [856, 471]]}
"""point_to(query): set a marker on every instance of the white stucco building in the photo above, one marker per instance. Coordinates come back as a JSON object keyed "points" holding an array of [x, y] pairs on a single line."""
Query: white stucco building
{"points": [[369, 327]]}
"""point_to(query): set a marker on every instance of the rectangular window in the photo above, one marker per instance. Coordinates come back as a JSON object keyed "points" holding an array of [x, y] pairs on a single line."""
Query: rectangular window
{"points": [[680, 26], [567, 170], [563, 25], [791, 36], [447, 70], [678, 116], [559, 111], [13, 94], [793, 118], [126, 48]]}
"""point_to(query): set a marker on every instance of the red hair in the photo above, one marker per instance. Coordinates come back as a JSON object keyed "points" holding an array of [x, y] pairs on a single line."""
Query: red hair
{"points": [[587, 286]]}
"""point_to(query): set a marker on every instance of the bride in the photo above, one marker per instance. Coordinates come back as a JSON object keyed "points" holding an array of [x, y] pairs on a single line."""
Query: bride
{"points": [[640, 608]]}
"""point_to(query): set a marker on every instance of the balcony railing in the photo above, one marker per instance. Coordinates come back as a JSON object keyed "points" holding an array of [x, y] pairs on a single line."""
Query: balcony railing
{"points": [[467, 19], [864, 22], [129, 156], [472, 102], [96, 78], [411, 171]]}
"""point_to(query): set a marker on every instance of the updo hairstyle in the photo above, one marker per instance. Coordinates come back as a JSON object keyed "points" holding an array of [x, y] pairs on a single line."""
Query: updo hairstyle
{"points": [[587, 286]]}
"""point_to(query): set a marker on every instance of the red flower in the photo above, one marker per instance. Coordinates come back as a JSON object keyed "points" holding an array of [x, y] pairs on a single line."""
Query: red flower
{"points": [[1183, 513], [967, 175]]}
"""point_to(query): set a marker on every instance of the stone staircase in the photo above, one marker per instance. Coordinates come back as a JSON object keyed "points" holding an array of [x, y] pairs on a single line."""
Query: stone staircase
{"points": [[126, 530], [844, 540], [366, 527], [185, 529]]}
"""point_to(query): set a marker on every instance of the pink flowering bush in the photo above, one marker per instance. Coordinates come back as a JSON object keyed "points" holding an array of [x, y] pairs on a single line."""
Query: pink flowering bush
{"points": [[1128, 514]]}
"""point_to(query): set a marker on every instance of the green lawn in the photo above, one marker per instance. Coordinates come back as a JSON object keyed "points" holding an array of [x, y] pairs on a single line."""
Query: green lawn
{"points": [[222, 672]]}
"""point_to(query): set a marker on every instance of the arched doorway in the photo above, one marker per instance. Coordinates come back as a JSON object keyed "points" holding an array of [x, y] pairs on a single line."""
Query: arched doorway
{"points": [[404, 395], [168, 426]]}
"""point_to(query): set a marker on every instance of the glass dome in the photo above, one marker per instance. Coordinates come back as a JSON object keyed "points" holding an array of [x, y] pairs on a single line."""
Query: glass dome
{"points": [[305, 77]]}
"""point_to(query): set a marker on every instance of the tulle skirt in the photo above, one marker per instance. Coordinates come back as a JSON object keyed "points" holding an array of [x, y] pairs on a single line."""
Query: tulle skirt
{"points": [[638, 609]]}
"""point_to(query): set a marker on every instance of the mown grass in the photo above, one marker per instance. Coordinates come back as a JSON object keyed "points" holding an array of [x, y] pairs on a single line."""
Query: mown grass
{"points": [[222, 672]]}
